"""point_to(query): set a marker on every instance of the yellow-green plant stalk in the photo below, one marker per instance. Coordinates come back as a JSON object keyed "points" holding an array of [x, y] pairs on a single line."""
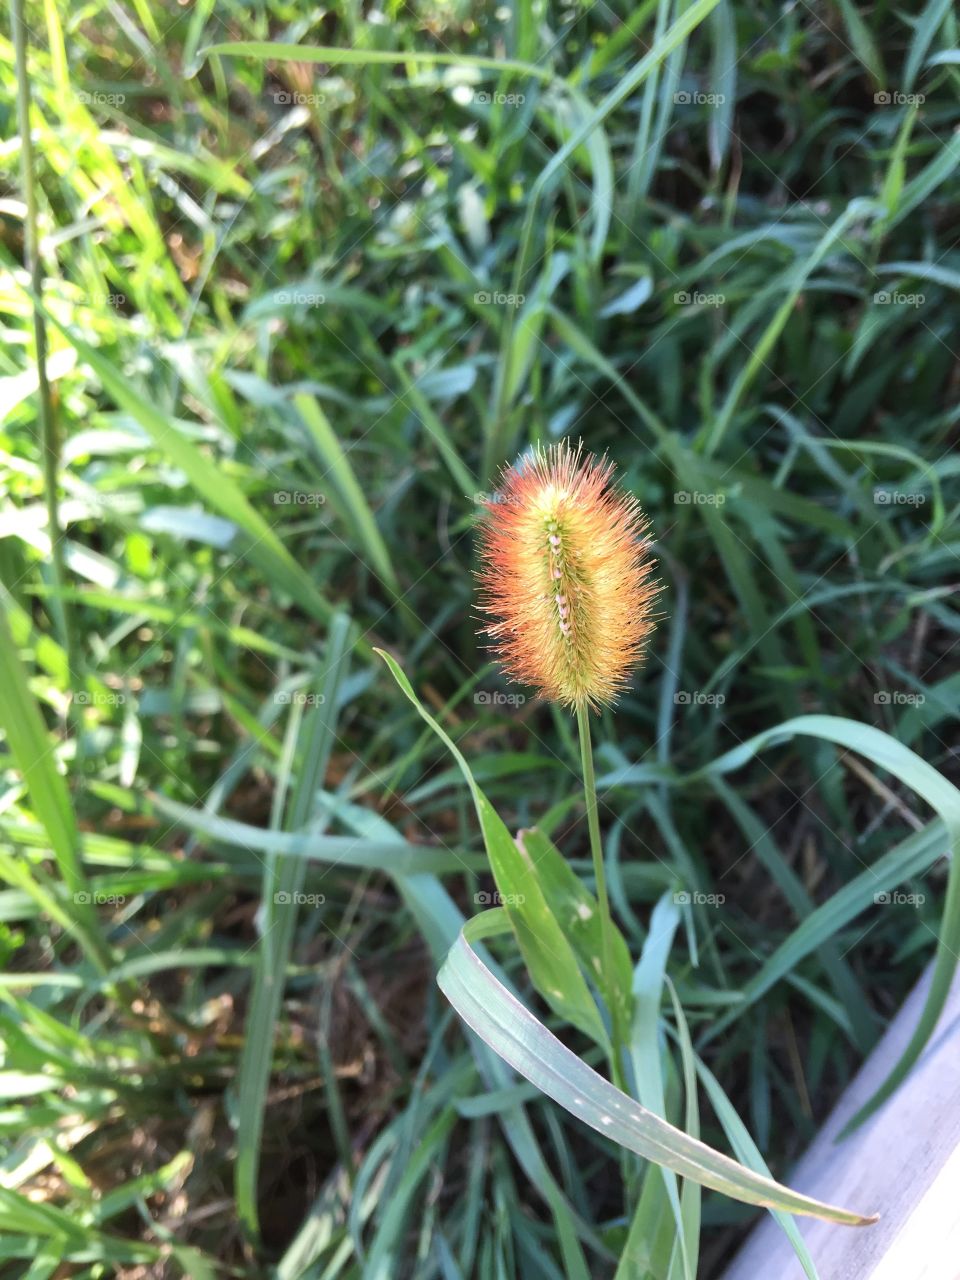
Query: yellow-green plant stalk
{"points": [[567, 592]]}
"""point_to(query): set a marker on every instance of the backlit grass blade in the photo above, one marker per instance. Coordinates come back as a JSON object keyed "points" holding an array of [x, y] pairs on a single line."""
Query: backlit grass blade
{"points": [[277, 51], [33, 754]]}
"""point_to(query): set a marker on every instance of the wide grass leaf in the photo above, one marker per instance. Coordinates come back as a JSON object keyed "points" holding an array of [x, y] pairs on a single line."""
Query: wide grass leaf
{"points": [[526, 1044]]}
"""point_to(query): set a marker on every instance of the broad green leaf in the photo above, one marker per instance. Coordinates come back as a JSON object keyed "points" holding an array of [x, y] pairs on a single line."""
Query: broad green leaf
{"points": [[526, 1044], [575, 910]]}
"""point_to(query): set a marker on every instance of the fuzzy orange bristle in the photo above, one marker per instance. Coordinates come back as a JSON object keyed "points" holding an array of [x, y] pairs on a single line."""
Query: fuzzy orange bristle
{"points": [[566, 577]]}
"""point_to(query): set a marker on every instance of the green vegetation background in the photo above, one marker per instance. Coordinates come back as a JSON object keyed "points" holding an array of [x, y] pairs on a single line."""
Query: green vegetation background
{"points": [[299, 310]]}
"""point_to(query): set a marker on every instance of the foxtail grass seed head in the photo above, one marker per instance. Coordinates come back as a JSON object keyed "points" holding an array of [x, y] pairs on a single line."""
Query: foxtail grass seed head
{"points": [[566, 583]]}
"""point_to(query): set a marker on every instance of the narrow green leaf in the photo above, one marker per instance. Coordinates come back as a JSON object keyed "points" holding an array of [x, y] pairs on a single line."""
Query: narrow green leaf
{"points": [[282, 882], [394, 856], [34, 755], [548, 955], [348, 494]]}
